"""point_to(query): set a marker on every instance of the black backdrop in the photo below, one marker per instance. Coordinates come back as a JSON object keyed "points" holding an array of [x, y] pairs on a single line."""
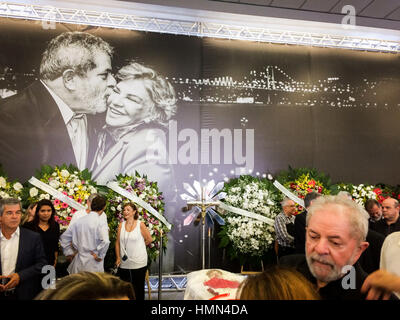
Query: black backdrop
{"points": [[332, 109]]}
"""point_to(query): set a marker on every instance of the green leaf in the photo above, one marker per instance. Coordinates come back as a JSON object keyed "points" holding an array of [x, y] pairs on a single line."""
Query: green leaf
{"points": [[86, 175], [224, 242]]}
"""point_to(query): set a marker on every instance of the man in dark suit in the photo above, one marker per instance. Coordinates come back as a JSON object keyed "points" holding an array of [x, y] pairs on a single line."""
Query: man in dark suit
{"points": [[300, 223], [22, 255], [391, 218], [374, 209], [371, 257], [53, 120]]}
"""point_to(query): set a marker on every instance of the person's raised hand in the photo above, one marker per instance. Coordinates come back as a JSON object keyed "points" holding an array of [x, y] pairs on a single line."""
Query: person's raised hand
{"points": [[380, 284]]}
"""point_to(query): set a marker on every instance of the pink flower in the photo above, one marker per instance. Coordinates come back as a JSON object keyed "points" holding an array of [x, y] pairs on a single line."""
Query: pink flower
{"points": [[64, 205], [69, 218], [64, 192], [79, 200], [56, 202], [73, 210]]}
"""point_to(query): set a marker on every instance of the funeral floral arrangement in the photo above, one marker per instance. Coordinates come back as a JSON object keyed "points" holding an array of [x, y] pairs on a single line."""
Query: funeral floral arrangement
{"points": [[68, 180], [362, 192], [9, 189], [302, 181], [147, 191], [246, 238]]}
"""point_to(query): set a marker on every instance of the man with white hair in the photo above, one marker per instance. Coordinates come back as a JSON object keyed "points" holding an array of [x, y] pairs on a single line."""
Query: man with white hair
{"points": [[335, 239], [55, 119], [284, 227]]}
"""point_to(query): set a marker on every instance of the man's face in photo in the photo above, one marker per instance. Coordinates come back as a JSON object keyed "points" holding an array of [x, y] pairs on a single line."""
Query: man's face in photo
{"points": [[11, 217], [330, 244], [289, 208], [389, 209], [375, 212], [94, 89]]}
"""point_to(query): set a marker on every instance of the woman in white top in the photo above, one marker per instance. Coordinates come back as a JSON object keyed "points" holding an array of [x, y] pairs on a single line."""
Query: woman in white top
{"points": [[130, 249]]}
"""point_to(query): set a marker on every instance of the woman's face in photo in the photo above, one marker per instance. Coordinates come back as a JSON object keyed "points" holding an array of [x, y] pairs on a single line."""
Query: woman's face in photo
{"points": [[45, 213], [128, 212], [129, 103]]}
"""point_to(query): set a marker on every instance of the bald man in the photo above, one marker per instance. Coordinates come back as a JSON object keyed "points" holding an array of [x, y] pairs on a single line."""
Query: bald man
{"points": [[391, 221]]}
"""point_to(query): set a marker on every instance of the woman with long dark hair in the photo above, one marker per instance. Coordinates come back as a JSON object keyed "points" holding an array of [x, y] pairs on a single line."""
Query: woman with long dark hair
{"points": [[48, 228]]}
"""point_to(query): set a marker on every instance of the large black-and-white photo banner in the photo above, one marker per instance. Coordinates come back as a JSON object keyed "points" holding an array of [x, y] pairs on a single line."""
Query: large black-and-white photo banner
{"points": [[180, 109]]}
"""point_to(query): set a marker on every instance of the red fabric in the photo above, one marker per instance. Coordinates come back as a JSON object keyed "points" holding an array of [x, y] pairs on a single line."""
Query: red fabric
{"points": [[218, 283]]}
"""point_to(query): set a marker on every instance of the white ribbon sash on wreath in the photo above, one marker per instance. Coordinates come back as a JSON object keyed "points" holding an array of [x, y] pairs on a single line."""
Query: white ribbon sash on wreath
{"points": [[115, 187], [246, 213], [56, 194], [289, 194]]}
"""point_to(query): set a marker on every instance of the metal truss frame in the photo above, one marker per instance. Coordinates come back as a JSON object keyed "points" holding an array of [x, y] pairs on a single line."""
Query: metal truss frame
{"points": [[49, 14], [169, 283]]}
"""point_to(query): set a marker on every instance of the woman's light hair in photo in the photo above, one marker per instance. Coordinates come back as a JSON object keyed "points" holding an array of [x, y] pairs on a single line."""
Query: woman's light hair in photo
{"points": [[160, 90], [358, 217]]}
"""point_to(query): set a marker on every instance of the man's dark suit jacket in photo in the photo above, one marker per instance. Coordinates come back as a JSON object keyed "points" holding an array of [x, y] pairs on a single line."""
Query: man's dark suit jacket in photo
{"points": [[30, 260], [385, 229], [371, 257], [33, 133], [300, 232]]}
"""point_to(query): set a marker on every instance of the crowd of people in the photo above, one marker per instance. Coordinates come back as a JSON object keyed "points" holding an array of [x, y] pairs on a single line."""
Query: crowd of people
{"points": [[344, 249], [325, 254], [334, 249], [29, 246]]}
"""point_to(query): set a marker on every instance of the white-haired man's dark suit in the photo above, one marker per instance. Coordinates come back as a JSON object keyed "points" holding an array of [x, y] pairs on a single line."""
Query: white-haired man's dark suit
{"points": [[33, 133]]}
